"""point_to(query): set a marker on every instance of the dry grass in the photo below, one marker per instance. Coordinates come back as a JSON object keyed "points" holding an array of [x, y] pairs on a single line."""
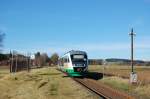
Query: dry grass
{"points": [[46, 83], [117, 83], [143, 91], [143, 72], [140, 91], [3, 71]]}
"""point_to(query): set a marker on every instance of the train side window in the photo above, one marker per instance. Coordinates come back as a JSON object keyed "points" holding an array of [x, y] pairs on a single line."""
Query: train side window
{"points": [[65, 59], [68, 59], [62, 61]]}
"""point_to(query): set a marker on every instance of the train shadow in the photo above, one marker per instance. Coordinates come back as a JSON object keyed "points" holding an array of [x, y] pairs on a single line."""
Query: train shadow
{"points": [[91, 75]]}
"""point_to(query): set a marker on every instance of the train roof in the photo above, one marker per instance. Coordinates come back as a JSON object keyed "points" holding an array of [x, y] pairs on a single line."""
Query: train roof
{"points": [[72, 52], [76, 52]]}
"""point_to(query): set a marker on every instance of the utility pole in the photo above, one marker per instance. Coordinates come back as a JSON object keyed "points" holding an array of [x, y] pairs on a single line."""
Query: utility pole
{"points": [[132, 49], [10, 61], [133, 75]]}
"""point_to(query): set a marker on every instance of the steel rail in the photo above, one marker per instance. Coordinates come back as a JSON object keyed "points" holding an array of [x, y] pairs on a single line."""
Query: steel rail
{"points": [[100, 89]]}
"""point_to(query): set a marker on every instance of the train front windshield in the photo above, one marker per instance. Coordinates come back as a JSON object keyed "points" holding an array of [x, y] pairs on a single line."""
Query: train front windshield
{"points": [[79, 60]]}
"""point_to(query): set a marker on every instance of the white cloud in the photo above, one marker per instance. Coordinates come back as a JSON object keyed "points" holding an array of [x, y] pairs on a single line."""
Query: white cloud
{"points": [[62, 48], [111, 49], [100, 47]]}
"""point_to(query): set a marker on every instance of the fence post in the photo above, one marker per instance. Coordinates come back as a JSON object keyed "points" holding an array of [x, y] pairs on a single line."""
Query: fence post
{"points": [[12, 62], [16, 67]]}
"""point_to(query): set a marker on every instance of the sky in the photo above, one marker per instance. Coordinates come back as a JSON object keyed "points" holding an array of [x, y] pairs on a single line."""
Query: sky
{"points": [[99, 27]]}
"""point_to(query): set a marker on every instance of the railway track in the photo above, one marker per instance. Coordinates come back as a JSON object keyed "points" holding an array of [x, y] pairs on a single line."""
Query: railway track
{"points": [[100, 89]]}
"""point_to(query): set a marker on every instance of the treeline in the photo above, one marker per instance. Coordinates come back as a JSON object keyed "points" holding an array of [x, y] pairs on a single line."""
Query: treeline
{"points": [[115, 61], [43, 59], [4, 56], [95, 61], [39, 60], [4, 59]]}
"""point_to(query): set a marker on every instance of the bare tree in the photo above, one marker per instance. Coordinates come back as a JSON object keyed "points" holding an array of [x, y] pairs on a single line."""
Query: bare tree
{"points": [[37, 59], [43, 59], [54, 58]]}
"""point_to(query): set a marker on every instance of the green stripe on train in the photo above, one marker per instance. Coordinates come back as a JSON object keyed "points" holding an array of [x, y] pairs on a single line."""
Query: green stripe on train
{"points": [[72, 73]]}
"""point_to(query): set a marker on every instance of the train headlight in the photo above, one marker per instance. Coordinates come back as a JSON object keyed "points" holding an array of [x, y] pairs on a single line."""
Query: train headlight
{"points": [[79, 69], [84, 59]]}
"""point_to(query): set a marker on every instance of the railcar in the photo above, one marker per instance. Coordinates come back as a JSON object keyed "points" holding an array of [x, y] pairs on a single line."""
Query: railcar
{"points": [[74, 63]]}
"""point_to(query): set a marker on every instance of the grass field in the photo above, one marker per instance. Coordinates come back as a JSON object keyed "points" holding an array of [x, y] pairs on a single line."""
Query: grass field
{"points": [[140, 91], [48, 83], [143, 72], [44, 83], [3, 71]]}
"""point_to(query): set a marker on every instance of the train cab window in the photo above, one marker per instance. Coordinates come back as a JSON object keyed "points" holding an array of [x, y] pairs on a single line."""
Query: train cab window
{"points": [[61, 62], [79, 58]]}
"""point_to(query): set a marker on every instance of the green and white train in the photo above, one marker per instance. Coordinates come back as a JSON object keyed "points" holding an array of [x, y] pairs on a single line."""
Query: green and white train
{"points": [[74, 63]]}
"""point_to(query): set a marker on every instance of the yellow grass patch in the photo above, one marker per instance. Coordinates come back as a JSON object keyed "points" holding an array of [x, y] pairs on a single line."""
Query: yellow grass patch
{"points": [[44, 83], [140, 91]]}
